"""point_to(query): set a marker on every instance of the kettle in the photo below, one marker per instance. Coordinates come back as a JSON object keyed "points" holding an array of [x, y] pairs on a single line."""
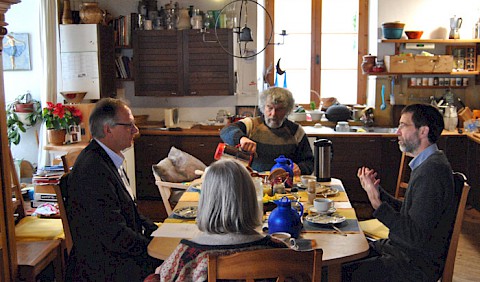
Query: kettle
{"points": [[323, 154], [284, 218], [287, 165]]}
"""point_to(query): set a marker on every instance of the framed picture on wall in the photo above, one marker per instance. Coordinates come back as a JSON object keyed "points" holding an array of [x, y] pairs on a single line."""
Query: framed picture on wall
{"points": [[247, 111], [16, 52]]}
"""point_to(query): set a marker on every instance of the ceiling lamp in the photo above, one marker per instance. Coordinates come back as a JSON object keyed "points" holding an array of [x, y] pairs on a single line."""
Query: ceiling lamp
{"points": [[235, 17]]}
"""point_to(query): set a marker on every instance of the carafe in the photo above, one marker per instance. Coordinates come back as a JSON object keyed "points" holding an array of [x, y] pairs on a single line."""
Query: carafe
{"points": [[450, 118], [323, 154], [287, 165], [455, 24], [183, 20], [284, 218]]}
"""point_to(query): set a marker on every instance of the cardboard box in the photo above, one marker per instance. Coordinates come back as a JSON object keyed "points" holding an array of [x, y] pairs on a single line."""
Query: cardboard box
{"points": [[400, 64], [434, 64]]}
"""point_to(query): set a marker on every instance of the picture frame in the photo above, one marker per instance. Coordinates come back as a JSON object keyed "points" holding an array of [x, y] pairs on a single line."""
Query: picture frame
{"points": [[16, 52], [247, 111], [74, 134]]}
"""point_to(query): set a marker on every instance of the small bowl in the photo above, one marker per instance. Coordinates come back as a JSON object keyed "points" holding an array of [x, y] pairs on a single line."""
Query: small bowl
{"points": [[73, 97], [316, 115], [392, 30], [305, 179], [297, 116], [414, 34]]}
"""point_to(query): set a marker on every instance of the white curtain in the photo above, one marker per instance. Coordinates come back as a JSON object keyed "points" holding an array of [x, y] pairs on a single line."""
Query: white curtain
{"points": [[49, 41]]}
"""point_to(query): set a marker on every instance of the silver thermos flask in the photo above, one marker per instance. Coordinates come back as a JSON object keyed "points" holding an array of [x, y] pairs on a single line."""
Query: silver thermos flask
{"points": [[323, 153]]}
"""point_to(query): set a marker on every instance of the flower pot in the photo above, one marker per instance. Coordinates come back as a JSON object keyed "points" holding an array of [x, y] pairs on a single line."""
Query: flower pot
{"points": [[24, 108], [56, 137]]}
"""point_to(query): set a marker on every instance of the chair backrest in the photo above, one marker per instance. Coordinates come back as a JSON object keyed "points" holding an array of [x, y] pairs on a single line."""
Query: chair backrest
{"points": [[461, 190], [69, 159], [165, 189], [403, 175], [266, 263], [62, 194]]}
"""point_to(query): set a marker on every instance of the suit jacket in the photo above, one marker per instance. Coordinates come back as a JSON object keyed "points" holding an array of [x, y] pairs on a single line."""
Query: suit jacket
{"points": [[107, 230]]}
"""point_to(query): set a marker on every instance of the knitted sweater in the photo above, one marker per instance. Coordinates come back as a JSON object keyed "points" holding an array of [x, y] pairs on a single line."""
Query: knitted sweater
{"points": [[420, 228], [289, 140], [189, 261]]}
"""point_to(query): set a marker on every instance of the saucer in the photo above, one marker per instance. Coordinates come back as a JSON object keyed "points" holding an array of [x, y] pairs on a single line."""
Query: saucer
{"points": [[186, 212], [328, 212]]}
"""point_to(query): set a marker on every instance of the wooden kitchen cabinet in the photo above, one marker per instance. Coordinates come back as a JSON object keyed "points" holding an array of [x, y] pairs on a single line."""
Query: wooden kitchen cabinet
{"points": [[349, 154], [151, 149], [183, 63], [473, 173]]}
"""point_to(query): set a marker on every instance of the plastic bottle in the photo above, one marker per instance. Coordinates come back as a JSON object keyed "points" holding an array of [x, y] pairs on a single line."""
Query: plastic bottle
{"points": [[259, 190]]}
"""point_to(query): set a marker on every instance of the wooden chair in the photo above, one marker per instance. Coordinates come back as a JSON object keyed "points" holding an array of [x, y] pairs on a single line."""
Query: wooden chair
{"points": [[69, 159], [267, 263], [34, 253], [403, 175], [461, 189], [62, 194], [165, 189]]}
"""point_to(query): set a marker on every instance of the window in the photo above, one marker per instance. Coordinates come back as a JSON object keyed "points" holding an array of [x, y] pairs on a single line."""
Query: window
{"points": [[323, 48]]}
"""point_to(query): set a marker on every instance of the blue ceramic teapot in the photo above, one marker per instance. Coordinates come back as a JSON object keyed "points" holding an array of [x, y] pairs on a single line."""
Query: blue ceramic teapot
{"points": [[287, 165], [284, 218]]}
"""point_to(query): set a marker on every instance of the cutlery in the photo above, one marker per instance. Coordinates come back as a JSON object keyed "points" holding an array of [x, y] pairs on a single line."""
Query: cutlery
{"points": [[383, 106], [340, 232]]}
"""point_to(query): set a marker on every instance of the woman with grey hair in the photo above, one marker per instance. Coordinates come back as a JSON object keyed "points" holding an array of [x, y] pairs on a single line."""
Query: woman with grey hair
{"points": [[227, 216], [272, 134]]}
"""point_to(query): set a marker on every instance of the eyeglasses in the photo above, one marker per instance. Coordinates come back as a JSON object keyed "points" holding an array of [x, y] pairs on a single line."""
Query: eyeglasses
{"points": [[130, 124]]}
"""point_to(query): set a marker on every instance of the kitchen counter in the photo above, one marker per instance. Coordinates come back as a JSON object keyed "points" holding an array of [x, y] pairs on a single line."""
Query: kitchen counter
{"points": [[156, 128]]}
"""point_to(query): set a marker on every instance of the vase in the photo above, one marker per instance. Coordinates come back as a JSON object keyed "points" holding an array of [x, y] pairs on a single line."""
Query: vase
{"points": [[67, 13], [183, 21], [56, 137], [368, 63], [90, 13]]}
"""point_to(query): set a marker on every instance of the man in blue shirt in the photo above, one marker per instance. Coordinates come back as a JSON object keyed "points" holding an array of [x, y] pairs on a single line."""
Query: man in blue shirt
{"points": [[420, 226]]}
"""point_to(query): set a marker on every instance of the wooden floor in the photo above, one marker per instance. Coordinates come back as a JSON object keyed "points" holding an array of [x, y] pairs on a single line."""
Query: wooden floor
{"points": [[467, 263]]}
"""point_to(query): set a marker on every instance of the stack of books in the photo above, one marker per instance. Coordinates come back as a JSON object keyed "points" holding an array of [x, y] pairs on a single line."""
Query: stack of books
{"points": [[43, 182]]}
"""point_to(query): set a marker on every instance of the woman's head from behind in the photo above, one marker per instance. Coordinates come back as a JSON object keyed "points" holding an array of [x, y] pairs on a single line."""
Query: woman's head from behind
{"points": [[228, 201]]}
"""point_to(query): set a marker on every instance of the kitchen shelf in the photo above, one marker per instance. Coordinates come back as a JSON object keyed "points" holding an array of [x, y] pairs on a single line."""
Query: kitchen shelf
{"points": [[455, 73], [440, 41], [437, 87]]}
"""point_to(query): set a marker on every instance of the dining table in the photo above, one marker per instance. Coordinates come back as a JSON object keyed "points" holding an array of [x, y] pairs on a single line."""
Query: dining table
{"points": [[340, 245]]}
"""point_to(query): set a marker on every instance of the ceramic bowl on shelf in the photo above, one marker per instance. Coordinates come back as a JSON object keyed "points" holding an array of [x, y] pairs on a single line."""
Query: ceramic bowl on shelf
{"points": [[297, 116], [392, 30], [73, 97], [414, 34]]}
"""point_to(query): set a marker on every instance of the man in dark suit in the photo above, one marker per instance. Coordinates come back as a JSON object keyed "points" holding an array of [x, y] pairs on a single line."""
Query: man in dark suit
{"points": [[109, 235]]}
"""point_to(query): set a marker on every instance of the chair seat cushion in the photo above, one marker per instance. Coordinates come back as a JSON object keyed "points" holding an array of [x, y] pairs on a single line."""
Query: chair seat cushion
{"points": [[374, 228], [32, 228]]}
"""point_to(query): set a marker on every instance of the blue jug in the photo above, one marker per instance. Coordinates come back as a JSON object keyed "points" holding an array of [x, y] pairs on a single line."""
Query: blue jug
{"points": [[284, 218], [287, 165]]}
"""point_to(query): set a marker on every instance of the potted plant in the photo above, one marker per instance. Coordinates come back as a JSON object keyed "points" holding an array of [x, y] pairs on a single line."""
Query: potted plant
{"points": [[58, 118], [23, 111]]}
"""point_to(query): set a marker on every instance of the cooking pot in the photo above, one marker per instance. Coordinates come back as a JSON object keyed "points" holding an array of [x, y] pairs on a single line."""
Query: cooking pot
{"points": [[338, 113]]}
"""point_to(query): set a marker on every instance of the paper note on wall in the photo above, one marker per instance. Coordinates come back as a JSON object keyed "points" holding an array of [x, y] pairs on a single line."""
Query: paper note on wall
{"points": [[80, 73]]}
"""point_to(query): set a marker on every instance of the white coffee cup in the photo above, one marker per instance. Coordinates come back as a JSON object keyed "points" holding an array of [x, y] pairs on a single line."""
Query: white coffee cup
{"points": [[323, 204], [285, 238]]}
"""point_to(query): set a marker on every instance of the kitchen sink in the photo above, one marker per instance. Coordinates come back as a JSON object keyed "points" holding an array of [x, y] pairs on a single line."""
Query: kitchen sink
{"points": [[374, 129]]}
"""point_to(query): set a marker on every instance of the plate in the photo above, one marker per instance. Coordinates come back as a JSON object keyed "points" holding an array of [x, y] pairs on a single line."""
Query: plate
{"points": [[326, 191], [186, 212], [325, 219], [329, 212]]}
